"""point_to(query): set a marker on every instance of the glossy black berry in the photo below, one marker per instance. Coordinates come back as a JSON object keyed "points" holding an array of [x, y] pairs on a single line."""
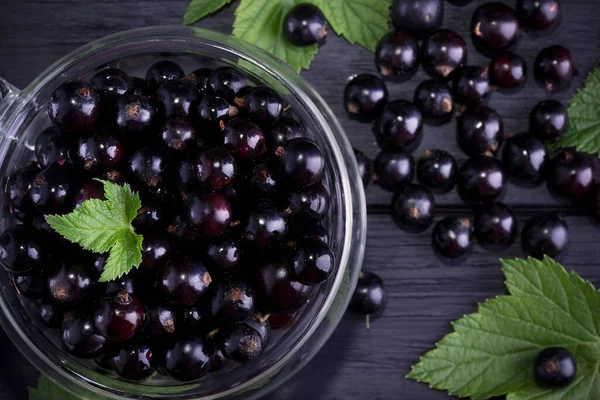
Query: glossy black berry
{"points": [[199, 78], [133, 361], [265, 226], [435, 100], [162, 72], [495, 27], [111, 82], [161, 321], [111, 151], [51, 147], [417, 16], [400, 124], [471, 86], [213, 112], [453, 237], [571, 174], [443, 52], [135, 116], [216, 168], [539, 15], [209, 214], [152, 217], [148, 166], [18, 191], [311, 203], [31, 286], [263, 106], [263, 181], [183, 281], [226, 82], [313, 263], [554, 68], [78, 335], [545, 234], [394, 169], [302, 162], [156, 251], [437, 170], [397, 55], [188, 358], [275, 290], [226, 254], [554, 367], [74, 108], [72, 284], [53, 190], [260, 323], [22, 251], [178, 134], [524, 158], [232, 301], [175, 98], [413, 208], [480, 131], [119, 317], [87, 154], [508, 71], [548, 120], [245, 139], [284, 130], [195, 318], [481, 180], [369, 297], [364, 167], [304, 25], [365, 96], [51, 314], [496, 226], [240, 343], [91, 190], [131, 283]]}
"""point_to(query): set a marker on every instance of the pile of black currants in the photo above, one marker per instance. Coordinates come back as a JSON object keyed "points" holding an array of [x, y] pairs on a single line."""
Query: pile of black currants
{"points": [[234, 219]]}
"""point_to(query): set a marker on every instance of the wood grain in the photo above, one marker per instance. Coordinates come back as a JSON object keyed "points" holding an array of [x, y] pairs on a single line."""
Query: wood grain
{"points": [[425, 294]]}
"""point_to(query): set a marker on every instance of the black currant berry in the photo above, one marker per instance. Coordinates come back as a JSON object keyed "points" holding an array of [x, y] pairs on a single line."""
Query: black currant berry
{"points": [[304, 25], [480, 131], [496, 226], [418, 16], [283, 131], [311, 203], [545, 234], [548, 120], [135, 116], [178, 134], [216, 168], [302, 162], [481, 180], [188, 358], [316, 233], [265, 226], [111, 82], [199, 78], [471, 86], [72, 284], [232, 301], [364, 97], [245, 139], [148, 166], [495, 27], [263, 106], [74, 108], [539, 15], [133, 361], [52, 147], [453, 237], [554, 367], [437, 170], [240, 343], [226, 254], [162, 72], [443, 52], [263, 181], [413, 208], [369, 297], [53, 190], [276, 292], [394, 169], [119, 317], [161, 321], [524, 158], [22, 251], [213, 112], [209, 214], [183, 281], [508, 71], [175, 98], [226, 82], [554, 68], [435, 100], [400, 124], [571, 174], [313, 263], [397, 55], [78, 335], [364, 167], [18, 191], [260, 323]]}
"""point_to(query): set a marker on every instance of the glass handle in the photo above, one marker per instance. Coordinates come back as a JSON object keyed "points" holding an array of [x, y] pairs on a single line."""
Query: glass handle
{"points": [[8, 94], [6, 88]]}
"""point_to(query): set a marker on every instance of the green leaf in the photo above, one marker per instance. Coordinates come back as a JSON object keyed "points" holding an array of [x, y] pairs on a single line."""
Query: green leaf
{"points": [[491, 353], [48, 390], [583, 132], [260, 22], [105, 225], [198, 9], [360, 21]]}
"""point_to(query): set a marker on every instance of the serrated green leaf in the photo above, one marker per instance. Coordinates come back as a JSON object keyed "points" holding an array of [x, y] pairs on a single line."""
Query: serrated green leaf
{"points": [[127, 252], [360, 21], [260, 22], [491, 353], [198, 9], [583, 132]]}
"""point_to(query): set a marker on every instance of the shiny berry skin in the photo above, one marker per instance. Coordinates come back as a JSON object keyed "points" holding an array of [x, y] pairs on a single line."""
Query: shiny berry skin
{"points": [[554, 68], [175, 98], [314, 233], [394, 169], [22, 251], [72, 284], [199, 77], [161, 321], [302, 162], [131, 283], [31, 286], [399, 125], [183, 281], [209, 214], [52, 147], [539, 15], [417, 16], [453, 237], [119, 317], [156, 252], [232, 301], [443, 52], [284, 130], [18, 191], [216, 168], [263, 181], [162, 72], [571, 174], [91, 190], [244, 138], [133, 361], [365, 96], [545, 234], [265, 226], [78, 335], [495, 27], [548, 120], [260, 324], [275, 290], [524, 158], [496, 225], [240, 343], [480, 131], [111, 82], [148, 166], [86, 153], [311, 203], [226, 254], [364, 167], [213, 112], [188, 358], [226, 82], [435, 100], [110, 151], [413, 208], [313, 263], [50, 314], [178, 134], [135, 116], [471, 85], [508, 71], [397, 55], [369, 297], [436, 169], [74, 108], [53, 190], [194, 318], [304, 25], [263, 106], [481, 180], [554, 367]]}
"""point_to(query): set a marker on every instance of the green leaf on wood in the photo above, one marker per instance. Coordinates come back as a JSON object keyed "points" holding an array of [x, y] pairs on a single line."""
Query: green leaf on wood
{"points": [[198, 9]]}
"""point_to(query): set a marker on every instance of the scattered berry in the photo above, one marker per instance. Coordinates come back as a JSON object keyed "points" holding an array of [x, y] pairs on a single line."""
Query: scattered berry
{"points": [[524, 158], [394, 169], [74, 108], [548, 120], [545, 234], [539, 15], [304, 25], [480, 131], [400, 124], [365, 97], [418, 16], [495, 27], [481, 180], [555, 367], [453, 237], [571, 174], [369, 297], [397, 54], [413, 208], [443, 52], [554, 68], [496, 225], [435, 100], [471, 85], [508, 71], [437, 169]]}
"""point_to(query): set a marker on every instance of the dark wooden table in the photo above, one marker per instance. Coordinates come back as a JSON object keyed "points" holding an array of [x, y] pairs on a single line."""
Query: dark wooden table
{"points": [[424, 293]]}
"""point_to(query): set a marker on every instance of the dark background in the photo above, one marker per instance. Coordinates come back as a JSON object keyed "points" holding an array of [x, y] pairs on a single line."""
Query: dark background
{"points": [[424, 293]]}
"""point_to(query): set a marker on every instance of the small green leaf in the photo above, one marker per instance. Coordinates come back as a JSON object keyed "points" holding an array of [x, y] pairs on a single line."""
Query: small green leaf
{"points": [[198, 9], [583, 132], [491, 353], [261, 21]]}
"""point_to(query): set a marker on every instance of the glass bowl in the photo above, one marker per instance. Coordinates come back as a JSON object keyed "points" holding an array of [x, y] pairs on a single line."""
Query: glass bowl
{"points": [[23, 116]]}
